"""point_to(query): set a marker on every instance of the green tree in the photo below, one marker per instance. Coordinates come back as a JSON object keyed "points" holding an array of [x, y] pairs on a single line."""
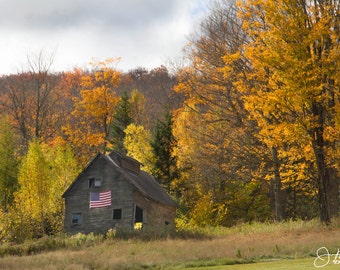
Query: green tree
{"points": [[8, 163], [121, 119], [163, 144]]}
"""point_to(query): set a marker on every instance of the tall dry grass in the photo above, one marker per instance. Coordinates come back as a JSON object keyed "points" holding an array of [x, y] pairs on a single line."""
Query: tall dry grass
{"points": [[207, 246]]}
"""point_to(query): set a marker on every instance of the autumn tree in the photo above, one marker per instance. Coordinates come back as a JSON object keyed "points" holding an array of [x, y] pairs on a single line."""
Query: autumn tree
{"points": [[32, 200], [94, 108], [33, 100], [137, 143], [38, 209], [8, 163], [138, 108], [156, 86], [217, 147], [295, 47], [63, 168]]}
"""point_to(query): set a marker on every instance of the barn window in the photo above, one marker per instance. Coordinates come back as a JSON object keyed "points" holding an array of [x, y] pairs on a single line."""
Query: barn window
{"points": [[138, 215], [138, 218], [76, 218], [95, 182], [117, 213]]}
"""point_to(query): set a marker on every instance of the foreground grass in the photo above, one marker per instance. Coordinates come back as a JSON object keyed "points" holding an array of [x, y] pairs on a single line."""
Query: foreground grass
{"points": [[199, 248], [296, 264]]}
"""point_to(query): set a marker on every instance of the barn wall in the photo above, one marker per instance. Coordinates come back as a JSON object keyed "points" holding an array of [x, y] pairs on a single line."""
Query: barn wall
{"points": [[123, 196], [157, 216], [99, 220]]}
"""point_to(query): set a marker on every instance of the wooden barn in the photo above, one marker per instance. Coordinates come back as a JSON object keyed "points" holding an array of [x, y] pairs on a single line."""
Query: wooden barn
{"points": [[113, 192]]}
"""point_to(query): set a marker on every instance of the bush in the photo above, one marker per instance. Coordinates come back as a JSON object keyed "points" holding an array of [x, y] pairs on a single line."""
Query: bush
{"points": [[80, 239]]}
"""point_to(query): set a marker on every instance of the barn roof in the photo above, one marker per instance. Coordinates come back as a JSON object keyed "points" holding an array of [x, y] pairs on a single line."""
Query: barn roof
{"points": [[142, 181], [145, 184]]}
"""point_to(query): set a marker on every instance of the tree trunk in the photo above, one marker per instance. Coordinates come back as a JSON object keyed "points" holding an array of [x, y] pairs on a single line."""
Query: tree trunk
{"points": [[333, 204], [323, 177], [277, 186]]}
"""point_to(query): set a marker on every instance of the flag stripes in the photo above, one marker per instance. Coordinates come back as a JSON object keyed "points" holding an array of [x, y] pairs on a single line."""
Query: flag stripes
{"points": [[100, 199]]}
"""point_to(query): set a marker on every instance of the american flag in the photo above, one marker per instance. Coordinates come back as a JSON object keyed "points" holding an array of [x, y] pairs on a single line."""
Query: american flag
{"points": [[100, 199]]}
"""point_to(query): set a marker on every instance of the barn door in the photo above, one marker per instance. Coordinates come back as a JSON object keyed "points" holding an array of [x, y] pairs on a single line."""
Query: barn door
{"points": [[139, 213]]}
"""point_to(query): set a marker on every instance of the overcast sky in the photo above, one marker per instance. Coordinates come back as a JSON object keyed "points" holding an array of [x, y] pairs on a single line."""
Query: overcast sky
{"points": [[144, 33]]}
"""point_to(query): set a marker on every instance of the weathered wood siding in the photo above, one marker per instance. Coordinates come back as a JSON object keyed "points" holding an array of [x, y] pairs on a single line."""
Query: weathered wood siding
{"points": [[99, 220], [156, 215], [129, 187]]}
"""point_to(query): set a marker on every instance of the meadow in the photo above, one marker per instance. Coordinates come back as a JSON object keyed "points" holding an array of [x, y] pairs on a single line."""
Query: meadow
{"points": [[287, 245]]}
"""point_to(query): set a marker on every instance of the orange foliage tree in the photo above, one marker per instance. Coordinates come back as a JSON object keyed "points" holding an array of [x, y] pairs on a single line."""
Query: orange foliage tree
{"points": [[94, 108]]}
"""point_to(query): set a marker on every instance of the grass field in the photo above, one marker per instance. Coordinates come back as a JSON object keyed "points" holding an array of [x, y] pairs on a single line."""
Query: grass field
{"points": [[295, 264], [289, 245]]}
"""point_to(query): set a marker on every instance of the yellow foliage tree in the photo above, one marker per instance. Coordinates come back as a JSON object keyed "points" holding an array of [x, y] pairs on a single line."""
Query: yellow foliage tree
{"points": [[295, 57], [44, 175], [217, 149], [63, 168], [32, 201], [137, 144], [138, 112]]}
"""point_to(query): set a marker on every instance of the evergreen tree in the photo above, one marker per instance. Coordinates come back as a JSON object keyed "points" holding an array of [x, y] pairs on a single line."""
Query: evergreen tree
{"points": [[163, 143], [122, 118]]}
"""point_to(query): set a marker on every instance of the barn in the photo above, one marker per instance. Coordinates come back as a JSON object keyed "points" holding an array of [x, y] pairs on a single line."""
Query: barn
{"points": [[113, 192]]}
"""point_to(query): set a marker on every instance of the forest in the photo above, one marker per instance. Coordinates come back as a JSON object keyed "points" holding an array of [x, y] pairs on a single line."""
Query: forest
{"points": [[246, 129]]}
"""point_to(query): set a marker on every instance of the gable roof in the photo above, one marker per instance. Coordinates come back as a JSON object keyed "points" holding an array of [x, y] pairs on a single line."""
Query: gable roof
{"points": [[142, 181], [80, 174], [145, 184]]}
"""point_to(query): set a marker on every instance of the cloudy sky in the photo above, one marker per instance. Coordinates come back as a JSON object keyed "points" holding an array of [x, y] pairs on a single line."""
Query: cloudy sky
{"points": [[144, 33]]}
